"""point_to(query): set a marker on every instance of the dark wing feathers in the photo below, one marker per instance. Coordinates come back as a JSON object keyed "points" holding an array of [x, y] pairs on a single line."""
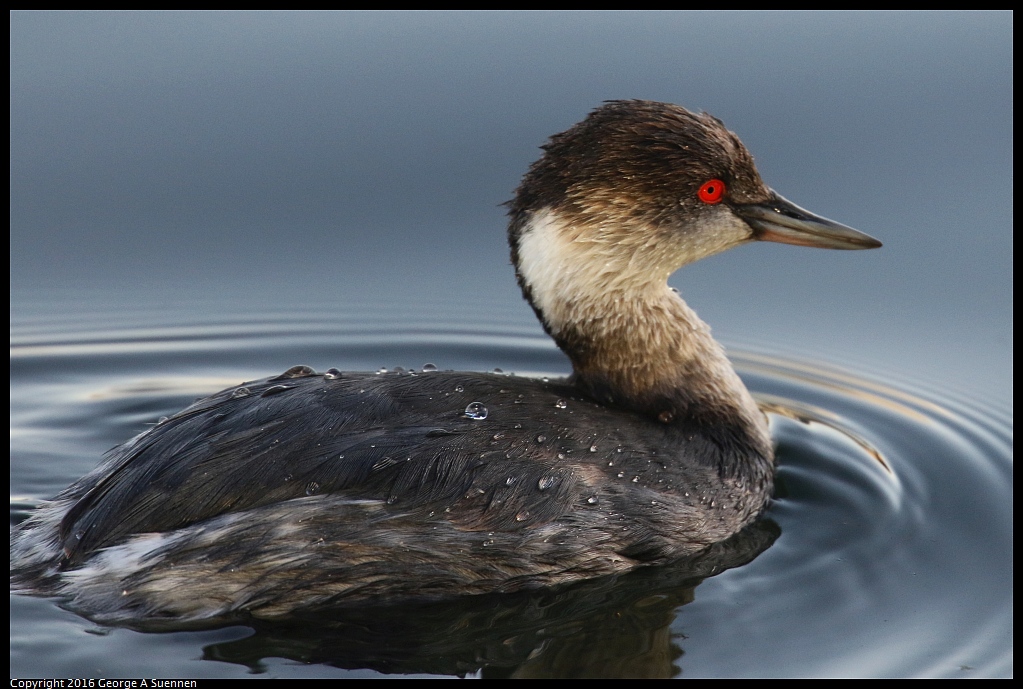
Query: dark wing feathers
{"points": [[400, 438]]}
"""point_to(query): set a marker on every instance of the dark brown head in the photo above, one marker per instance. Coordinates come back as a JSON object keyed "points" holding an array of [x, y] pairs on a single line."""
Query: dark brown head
{"points": [[638, 189], [639, 161]]}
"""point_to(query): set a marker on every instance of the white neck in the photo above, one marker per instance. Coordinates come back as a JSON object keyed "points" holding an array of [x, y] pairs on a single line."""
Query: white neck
{"points": [[609, 307]]}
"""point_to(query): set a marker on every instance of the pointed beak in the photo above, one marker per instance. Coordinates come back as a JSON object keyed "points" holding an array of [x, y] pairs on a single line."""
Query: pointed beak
{"points": [[780, 220]]}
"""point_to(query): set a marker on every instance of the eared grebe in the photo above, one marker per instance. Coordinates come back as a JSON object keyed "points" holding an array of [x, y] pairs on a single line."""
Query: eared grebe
{"points": [[309, 489]]}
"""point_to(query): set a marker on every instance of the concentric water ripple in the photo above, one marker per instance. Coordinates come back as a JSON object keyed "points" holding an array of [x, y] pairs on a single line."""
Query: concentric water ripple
{"points": [[887, 551]]}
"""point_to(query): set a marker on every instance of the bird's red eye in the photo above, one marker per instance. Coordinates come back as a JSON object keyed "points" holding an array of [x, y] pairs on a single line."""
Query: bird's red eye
{"points": [[712, 191]]}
